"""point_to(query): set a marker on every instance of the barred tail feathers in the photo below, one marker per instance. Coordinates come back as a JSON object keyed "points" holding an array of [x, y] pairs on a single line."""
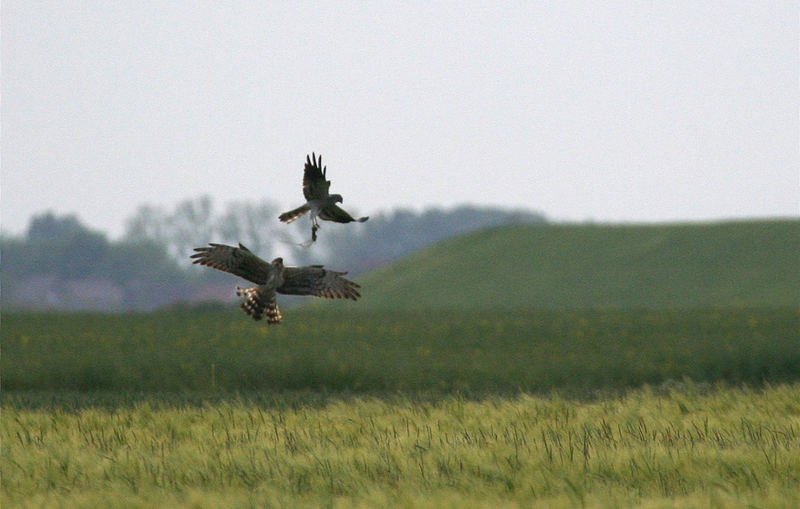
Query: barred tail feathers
{"points": [[292, 215], [258, 306]]}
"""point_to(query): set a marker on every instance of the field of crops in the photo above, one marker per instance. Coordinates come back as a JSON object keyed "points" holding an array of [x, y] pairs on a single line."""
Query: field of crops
{"points": [[497, 408], [686, 446], [379, 352]]}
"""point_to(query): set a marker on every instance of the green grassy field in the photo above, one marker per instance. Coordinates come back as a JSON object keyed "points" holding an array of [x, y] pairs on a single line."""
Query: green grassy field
{"points": [[477, 352], [745, 263], [683, 446], [402, 409]]}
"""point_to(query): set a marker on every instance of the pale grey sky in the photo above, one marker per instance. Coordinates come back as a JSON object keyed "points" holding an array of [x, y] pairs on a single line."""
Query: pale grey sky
{"points": [[609, 111]]}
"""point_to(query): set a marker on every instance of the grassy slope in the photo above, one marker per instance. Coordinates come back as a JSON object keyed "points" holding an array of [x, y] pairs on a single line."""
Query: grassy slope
{"points": [[747, 263]]}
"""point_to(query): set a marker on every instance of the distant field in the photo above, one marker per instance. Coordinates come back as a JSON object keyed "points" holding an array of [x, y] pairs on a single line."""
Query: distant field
{"points": [[743, 264], [684, 446], [475, 352]]}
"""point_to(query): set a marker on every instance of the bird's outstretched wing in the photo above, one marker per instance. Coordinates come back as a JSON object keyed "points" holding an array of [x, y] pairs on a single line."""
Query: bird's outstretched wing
{"points": [[318, 281], [337, 214], [239, 261], [315, 187]]}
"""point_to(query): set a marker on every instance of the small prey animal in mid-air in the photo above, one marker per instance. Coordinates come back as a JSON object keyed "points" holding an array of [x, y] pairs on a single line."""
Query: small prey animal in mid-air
{"points": [[259, 301], [321, 204]]}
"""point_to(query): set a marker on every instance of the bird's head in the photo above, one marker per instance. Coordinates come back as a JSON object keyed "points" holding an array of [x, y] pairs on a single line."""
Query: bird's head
{"points": [[277, 262], [337, 198]]}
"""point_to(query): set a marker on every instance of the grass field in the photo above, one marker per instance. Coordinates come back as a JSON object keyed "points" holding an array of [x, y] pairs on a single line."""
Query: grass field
{"points": [[743, 264], [378, 352], [684, 446], [504, 408]]}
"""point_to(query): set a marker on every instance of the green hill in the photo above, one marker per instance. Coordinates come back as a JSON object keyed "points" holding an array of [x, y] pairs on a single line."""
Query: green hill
{"points": [[742, 263]]}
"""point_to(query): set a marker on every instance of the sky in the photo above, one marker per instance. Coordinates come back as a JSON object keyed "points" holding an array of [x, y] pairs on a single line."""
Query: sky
{"points": [[584, 111]]}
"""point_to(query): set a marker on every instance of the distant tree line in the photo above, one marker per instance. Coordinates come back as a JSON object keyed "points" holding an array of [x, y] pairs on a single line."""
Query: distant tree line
{"points": [[60, 263], [358, 248]]}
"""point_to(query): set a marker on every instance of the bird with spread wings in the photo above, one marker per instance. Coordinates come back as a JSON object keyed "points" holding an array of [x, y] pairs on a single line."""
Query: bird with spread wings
{"points": [[321, 204], [260, 301]]}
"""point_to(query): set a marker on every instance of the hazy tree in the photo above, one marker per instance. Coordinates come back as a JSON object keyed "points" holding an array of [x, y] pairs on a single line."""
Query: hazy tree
{"points": [[147, 274], [63, 247], [127, 261], [49, 227], [148, 223], [17, 264], [254, 225], [80, 255], [191, 225], [16, 256], [194, 223]]}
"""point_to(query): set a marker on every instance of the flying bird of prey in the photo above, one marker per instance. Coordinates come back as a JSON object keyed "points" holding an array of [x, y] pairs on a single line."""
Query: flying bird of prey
{"points": [[259, 301], [321, 204]]}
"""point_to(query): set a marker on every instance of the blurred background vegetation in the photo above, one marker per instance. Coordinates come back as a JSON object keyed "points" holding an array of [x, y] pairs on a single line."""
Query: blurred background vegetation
{"points": [[60, 264], [467, 299]]}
